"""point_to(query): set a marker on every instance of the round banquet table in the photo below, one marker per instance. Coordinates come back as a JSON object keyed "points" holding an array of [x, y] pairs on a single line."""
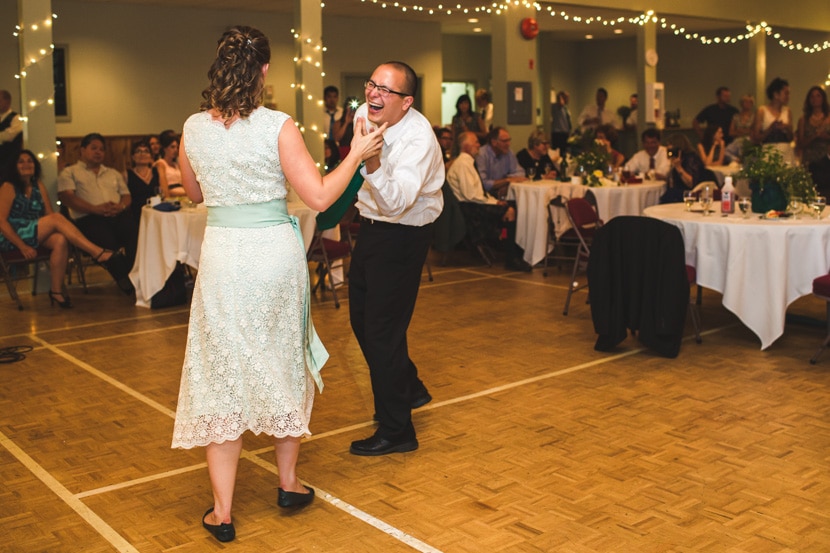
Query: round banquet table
{"points": [[168, 237], [759, 265], [532, 199]]}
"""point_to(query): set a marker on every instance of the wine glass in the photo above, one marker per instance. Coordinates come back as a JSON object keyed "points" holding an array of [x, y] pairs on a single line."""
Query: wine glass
{"points": [[689, 199], [796, 206], [817, 205], [705, 201], [745, 205]]}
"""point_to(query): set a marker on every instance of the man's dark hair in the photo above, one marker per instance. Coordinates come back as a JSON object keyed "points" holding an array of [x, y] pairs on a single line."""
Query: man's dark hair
{"points": [[87, 140], [411, 77], [650, 133], [720, 89], [331, 88]]}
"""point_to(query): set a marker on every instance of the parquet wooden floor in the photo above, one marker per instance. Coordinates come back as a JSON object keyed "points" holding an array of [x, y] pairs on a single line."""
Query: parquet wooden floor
{"points": [[534, 442]]}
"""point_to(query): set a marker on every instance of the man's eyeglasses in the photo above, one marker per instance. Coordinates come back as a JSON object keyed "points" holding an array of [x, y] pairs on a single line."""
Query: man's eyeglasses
{"points": [[383, 90]]}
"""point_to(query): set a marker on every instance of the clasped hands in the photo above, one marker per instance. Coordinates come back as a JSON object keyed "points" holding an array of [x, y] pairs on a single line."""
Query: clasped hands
{"points": [[109, 209]]}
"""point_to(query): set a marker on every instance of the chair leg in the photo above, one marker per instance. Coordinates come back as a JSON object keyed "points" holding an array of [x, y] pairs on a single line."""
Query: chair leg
{"points": [[826, 342], [694, 313], [571, 285], [12, 290], [429, 271]]}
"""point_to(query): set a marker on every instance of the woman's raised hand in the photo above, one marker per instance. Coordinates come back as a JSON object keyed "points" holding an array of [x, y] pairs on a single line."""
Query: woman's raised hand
{"points": [[367, 143]]}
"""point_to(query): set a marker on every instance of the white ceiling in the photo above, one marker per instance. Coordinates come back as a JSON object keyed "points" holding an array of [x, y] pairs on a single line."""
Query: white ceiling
{"points": [[455, 21]]}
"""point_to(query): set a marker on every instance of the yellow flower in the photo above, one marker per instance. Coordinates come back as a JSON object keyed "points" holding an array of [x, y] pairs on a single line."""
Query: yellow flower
{"points": [[597, 173]]}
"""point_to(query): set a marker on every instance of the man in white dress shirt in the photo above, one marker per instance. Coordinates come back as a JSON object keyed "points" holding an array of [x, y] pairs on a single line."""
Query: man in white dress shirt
{"points": [[652, 160], [596, 114], [399, 200], [484, 214]]}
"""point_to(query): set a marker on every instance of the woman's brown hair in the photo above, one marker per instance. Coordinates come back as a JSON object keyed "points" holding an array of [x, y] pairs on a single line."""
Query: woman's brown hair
{"points": [[236, 79]]}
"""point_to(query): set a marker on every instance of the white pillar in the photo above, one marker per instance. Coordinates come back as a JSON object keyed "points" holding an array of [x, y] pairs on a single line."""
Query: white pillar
{"points": [[646, 68], [758, 66], [37, 86], [308, 29], [515, 59]]}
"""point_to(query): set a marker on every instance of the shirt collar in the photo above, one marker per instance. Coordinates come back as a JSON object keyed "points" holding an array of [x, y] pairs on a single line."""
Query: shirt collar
{"points": [[395, 131]]}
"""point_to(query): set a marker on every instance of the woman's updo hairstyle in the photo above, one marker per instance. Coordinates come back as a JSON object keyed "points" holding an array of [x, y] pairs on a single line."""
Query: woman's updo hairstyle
{"points": [[236, 80]]}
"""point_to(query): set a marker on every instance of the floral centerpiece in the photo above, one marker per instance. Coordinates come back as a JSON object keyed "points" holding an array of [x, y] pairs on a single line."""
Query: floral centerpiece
{"points": [[592, 161], [772, 181]]}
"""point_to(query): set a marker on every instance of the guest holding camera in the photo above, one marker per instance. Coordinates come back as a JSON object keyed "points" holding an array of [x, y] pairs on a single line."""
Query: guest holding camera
{"points": [[687, 169]]}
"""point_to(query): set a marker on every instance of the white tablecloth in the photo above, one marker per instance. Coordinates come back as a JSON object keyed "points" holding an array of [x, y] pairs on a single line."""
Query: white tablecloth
{"points": [[760, 266], [165, 238], [532, 199]]}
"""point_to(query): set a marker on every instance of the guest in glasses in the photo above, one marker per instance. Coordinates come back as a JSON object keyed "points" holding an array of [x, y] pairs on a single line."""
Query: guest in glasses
{"points": [[535, 159], [400, 198], [252, 356], [142, 178], [497, 164]]}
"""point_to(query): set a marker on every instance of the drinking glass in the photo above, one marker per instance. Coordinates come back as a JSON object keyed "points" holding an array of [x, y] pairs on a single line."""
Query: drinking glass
{"points": [[818, 204], [796, 206], [689, 199], [745, 205], [705, 201]]}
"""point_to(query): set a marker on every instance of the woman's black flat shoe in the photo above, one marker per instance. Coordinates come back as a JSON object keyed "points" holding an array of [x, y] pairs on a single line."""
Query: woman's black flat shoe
{"points": [[293, 499], [224, 532]]}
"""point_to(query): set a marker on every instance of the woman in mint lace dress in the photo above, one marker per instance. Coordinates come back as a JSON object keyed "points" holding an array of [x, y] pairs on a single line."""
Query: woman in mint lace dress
{"points": [[252, 357]]}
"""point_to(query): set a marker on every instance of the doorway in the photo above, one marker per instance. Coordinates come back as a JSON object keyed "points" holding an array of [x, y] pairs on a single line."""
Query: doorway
{"points": [[450, 92]]}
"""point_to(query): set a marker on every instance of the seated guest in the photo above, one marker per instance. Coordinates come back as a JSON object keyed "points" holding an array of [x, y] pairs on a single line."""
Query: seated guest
{"points": [[332, 154], [484, 213], [497, 164], [444, 136], [142, 177], [712, 149], [820, 170], [465, 119], [155, 146], [607, 136], [535, 159], [98, 201], [170, 176], [653, 157], [687, 169], [28, 221]]}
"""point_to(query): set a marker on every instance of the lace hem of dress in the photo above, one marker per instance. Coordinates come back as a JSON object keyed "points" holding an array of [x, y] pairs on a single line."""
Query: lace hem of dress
{"points": [[213, 430]]}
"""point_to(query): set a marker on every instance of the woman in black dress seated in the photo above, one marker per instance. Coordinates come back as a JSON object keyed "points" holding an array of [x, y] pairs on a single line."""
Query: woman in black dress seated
{"points": [[142, 179]]}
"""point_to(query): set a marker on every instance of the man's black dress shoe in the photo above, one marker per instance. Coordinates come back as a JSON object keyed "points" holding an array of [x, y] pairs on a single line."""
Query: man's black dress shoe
{"points": [[421, 399], [224, 532], [294, 499], [375, 445], [518, 265]]}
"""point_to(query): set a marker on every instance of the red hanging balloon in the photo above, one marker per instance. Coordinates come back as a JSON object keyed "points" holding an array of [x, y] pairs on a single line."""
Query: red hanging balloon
{"points": [[530, 28]]}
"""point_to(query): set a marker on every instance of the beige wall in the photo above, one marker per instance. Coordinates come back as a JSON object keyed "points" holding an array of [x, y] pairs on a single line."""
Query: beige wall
{"points": [[137, 70]]}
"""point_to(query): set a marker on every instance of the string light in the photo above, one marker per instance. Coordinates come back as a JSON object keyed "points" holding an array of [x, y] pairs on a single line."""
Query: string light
{"points": [[31, 62], [315, 60], [496, 8]]}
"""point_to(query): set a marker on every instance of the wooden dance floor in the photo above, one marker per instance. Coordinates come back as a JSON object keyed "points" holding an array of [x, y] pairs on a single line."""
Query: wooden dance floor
{"points": [[534, 442]]}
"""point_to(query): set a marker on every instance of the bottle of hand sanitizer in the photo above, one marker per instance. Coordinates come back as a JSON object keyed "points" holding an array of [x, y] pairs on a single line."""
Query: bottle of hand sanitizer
{"points": [[727, 196]]}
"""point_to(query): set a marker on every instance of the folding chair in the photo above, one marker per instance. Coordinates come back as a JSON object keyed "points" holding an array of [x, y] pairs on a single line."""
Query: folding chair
{"points": [[584, 222], [324, 251]]}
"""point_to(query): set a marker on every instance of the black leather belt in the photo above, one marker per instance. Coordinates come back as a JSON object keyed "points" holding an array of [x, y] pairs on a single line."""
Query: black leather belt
{"points": [[378, 224]]}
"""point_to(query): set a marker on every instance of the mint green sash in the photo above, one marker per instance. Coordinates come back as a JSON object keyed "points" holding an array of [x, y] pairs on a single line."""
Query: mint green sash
{"points": [[270, 214]]}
